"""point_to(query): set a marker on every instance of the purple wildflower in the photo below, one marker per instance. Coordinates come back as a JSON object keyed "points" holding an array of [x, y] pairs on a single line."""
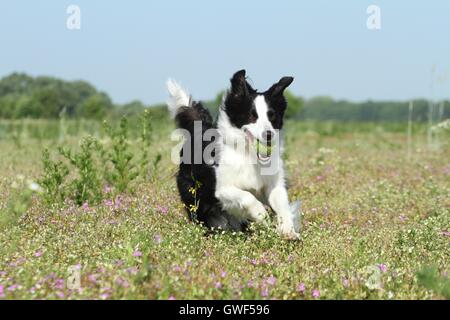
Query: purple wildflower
{"points": [[38, 254], [85, 207], [137, 253], [271, 280], [163, 209], [105, 295], [382, 267], [301, 287], [92, 278], [172, 298], [59, 284], [265, 292], [13, 287], [315, 293], [157, 239], [345, 282], [177, 268]]}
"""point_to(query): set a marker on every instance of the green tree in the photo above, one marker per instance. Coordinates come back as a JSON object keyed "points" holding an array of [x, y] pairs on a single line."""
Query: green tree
{"points": [[295, 105], [96, 107]]}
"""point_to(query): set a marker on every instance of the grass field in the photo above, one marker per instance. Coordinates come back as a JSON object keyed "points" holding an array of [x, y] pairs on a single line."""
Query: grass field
{"points": [[375, 225]]}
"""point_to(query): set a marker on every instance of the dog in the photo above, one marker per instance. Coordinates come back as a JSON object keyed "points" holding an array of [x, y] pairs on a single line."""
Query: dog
{"points": [[231, 189]]}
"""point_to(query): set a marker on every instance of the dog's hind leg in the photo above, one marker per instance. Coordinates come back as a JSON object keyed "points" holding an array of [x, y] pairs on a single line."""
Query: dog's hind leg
{"points": [[216, 218]]}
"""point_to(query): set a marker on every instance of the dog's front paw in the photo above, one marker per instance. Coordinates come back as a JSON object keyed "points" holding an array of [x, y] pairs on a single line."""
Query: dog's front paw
{"points": [[288, 231], [258, 212]]}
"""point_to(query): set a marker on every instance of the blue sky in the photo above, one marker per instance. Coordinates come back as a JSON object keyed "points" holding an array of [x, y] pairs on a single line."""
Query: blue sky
{"points": [[129, 48]]}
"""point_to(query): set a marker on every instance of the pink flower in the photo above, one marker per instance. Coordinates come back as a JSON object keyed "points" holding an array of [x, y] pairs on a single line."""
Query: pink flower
{"points": [[177, 268], [223, 274], [157, 239], [60, 294], [316, 293], [445, 233], [122, 282], [13, 287], [38, 254], [271, 280], [172, 298], [382, 267], [345, 282], [254, 262], [265, 292], [163, 209], [59, 284], [92, 278], [250, 284], [402, 218], [132, 270], [2, 292], [105, 295], [218, 285], [85, 206], [137, 253], [301, 287]]}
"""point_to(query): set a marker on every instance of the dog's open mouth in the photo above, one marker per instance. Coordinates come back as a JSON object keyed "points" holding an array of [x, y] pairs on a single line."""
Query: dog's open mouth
{"points": [[263, 150]]}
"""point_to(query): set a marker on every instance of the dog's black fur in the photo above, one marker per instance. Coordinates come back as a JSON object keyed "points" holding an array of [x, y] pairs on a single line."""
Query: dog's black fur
{"points": [[209, 211]]}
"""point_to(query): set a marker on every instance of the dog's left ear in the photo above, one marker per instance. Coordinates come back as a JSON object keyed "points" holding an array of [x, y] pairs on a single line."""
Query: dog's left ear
{"points": [[278, 88]]}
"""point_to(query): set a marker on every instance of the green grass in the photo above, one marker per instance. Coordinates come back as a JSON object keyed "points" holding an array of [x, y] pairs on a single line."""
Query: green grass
{"points": [[373, 220]]}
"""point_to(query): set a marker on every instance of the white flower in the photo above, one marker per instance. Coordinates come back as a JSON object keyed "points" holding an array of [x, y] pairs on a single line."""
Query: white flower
{"points": [[33, 186]]}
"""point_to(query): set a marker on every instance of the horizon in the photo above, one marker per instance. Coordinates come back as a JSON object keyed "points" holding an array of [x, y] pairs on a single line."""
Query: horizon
{"points": [[156, 104], [130, 51]]}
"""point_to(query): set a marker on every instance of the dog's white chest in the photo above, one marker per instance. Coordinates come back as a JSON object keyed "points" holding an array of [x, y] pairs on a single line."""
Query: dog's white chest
{"points": [[236, 169]]}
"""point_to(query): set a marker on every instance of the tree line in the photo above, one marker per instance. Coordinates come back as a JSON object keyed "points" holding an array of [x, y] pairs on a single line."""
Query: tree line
{"points": [[24, 96]]}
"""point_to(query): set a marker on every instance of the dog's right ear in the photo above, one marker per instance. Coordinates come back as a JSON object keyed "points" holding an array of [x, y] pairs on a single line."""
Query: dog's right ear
{"points": [[239, 86]]}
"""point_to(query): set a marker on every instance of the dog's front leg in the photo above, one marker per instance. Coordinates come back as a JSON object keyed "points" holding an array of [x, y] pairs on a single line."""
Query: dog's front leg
{"points": [[233, 198], [288, 222]]}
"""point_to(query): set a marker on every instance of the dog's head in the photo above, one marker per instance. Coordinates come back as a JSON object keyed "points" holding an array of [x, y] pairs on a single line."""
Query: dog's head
{"points": [[258, 114]]}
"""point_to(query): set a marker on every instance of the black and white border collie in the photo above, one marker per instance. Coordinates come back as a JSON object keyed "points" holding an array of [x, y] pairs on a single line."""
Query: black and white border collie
{"points": [[235, 187]]}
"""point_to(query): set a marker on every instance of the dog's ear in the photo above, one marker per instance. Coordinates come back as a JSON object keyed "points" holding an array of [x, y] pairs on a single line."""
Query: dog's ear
{"points": [[240, 86], [278, 88]]}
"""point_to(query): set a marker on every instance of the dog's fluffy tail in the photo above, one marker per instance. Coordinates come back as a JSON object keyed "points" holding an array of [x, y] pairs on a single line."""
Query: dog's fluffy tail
{"points": [[178, 97], [184, 110]]}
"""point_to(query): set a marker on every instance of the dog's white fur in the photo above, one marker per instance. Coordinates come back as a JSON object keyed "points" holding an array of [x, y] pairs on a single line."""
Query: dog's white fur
{"points": [[241, 188]]}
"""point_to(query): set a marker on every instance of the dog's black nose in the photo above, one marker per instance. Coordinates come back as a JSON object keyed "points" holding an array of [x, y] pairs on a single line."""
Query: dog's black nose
{"points": [[268, 135]]}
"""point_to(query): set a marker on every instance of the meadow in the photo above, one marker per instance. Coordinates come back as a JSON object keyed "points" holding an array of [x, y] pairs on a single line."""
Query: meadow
{"points": [[375, 218]]}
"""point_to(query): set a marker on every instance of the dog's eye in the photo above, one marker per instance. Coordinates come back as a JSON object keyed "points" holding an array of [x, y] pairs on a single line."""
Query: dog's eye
{"points": [[271, 115]]}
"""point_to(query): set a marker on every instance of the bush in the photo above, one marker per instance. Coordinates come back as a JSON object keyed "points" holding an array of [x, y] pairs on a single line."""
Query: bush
{"points": [[81, 176]]}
